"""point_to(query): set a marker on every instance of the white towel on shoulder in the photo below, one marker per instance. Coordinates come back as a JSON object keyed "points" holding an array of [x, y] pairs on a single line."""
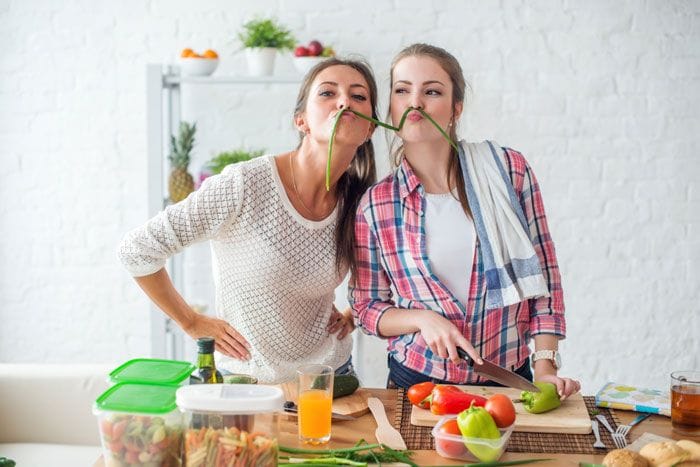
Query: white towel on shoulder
{"points": [[511, 266]]}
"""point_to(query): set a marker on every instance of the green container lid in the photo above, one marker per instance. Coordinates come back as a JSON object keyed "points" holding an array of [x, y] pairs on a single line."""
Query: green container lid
{"points": [[138, 398], [152, 370]]}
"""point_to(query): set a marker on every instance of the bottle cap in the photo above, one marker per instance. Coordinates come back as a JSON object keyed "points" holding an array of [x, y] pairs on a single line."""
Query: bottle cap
{"points": [[205, 344]]}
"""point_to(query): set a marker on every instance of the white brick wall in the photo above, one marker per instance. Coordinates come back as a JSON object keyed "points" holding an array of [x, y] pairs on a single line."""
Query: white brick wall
{"points": [[602, 97]]}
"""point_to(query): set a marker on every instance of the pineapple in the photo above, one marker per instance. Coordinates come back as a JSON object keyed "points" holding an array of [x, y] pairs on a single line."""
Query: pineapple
{"points": [[180, 182]]}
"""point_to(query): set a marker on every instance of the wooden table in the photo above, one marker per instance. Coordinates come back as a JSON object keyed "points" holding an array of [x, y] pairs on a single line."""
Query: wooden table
{"points": [[347, 433]]}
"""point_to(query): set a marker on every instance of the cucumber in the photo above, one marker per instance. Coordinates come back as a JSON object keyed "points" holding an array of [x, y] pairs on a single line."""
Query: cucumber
{"points": [[344, 385]]}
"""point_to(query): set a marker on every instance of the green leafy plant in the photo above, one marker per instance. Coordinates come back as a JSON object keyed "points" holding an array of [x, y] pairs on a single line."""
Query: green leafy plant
{"points": [[266, 33], [217, 164]]}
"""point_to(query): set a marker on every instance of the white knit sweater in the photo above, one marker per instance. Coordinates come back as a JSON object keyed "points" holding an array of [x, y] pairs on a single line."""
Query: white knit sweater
{"points": [[274, 271]]}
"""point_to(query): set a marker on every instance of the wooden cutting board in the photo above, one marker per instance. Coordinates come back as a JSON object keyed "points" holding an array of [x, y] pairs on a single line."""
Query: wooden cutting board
{"points": [[571, 417], [354, 405]]}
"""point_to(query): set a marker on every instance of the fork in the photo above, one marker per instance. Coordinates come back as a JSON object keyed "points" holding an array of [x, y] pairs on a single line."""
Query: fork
{"points": [[598, 443], [625, 429], [618, 439]]}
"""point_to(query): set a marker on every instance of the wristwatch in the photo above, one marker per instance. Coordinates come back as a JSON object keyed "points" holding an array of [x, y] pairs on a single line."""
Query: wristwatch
{"points": [[552, 355]]}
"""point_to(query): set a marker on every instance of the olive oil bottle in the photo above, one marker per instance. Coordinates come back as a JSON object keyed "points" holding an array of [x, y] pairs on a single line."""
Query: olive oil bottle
{"points": [[206, 373], [206, 368]]}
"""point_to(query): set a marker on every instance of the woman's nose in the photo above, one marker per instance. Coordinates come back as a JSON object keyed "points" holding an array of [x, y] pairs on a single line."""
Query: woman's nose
{"points": [[343, 102]]}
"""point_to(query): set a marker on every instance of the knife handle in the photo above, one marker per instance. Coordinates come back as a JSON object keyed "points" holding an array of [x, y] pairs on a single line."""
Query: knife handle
{"points": [[463, 353]]}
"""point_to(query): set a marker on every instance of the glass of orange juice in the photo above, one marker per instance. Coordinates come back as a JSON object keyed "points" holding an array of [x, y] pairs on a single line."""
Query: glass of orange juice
{"points": [[315, 389]]}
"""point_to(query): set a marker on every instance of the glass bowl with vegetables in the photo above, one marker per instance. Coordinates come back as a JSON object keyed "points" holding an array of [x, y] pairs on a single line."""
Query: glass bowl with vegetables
{"points": [[471, 436]]}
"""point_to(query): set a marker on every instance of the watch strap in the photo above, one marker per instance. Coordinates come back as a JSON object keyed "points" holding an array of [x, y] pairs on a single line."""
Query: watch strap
{"points": [[547, 354]]}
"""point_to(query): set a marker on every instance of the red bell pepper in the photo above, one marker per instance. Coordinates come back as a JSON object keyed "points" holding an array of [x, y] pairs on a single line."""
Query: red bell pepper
{"points": [[451, 400], [419, 394]]}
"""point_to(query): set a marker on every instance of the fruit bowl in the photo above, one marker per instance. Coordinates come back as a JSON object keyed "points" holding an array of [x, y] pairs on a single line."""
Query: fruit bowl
{"points": [[305, 64], [198, 66]]}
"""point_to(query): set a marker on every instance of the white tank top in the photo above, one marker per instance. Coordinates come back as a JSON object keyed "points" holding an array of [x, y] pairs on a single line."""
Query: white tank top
{"points": [[450, 240]]}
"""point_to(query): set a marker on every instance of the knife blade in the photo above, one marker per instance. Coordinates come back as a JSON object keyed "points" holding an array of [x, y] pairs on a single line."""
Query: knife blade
{"points": [[498, 374], [291, 407]]}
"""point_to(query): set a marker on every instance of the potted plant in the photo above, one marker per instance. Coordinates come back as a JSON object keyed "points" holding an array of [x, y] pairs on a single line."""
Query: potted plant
{"points": [[217, 164], [261, 39]]}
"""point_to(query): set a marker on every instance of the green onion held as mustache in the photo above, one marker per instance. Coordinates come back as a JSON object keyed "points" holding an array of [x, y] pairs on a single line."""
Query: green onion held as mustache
{"points": [[379, 123]]}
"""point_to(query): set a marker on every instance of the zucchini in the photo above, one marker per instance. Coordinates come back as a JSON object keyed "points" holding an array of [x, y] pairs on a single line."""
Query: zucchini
{"points": [[344, 385]]}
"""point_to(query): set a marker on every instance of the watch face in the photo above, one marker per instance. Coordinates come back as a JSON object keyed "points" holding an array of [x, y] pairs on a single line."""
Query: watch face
{"points": [[557, 359]]}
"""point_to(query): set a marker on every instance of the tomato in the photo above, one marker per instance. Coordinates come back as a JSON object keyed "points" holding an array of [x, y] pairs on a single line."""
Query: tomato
{"points": [[418, 394], [449, 447], [501, 409]]}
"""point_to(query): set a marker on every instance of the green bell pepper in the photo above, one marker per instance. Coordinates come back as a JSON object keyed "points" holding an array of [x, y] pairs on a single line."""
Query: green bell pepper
{"points": [[476, 422], [539, 402], [5, 462]]}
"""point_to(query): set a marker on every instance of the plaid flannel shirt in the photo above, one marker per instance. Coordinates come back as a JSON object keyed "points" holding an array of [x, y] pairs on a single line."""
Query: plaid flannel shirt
{"points": [[392, 262]]}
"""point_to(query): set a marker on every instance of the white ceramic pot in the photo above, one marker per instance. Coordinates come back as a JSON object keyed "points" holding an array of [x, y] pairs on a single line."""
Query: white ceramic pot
{"points": [[261, 60]]}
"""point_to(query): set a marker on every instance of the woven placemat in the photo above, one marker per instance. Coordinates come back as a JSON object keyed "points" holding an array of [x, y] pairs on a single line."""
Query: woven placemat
{"points": [[419, 437]]}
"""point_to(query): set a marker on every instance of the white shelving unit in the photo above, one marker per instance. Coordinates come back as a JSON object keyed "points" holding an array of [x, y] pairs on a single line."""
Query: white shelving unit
{"points": [[163, 119]]}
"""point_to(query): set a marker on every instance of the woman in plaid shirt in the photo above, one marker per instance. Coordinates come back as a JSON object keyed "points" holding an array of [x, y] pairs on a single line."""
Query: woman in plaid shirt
{"points": [[420, 278]]}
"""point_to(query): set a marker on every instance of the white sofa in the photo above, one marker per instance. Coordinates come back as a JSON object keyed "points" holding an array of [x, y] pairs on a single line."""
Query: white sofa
{"points": [[46, 413]]}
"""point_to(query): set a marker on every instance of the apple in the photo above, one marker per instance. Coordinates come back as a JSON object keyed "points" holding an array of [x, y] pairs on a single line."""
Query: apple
{"points": [[315, 48], [301, 51]]}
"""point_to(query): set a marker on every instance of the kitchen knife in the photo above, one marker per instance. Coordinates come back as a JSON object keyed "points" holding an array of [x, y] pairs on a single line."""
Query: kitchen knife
{"points": [[291, 407], [498, 374]]}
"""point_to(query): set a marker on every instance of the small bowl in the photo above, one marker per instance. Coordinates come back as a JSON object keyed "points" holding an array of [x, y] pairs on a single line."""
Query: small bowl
{"points": [[470, 449], [305, 64], [192, 66], [239, 378]]}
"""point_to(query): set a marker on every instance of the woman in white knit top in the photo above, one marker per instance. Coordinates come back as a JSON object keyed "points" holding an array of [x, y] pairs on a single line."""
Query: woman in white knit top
{"points": [[280, 242]]}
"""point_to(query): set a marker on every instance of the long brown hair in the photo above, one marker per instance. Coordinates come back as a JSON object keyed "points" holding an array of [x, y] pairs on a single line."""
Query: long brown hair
{"points": [[459, 86], [361, 173]]}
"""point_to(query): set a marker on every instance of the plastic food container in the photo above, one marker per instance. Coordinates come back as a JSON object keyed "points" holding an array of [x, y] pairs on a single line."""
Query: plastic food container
{"points": [[230, 424], [152, 370], [139, 425], [470, 449]]}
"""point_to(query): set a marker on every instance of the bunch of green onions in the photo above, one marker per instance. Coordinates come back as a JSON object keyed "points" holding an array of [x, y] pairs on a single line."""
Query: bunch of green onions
{"points": [[362, 453]]}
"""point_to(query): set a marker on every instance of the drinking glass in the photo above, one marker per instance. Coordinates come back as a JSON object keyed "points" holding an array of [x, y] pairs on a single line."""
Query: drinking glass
{"points": [[685, 402], [315, 402]]}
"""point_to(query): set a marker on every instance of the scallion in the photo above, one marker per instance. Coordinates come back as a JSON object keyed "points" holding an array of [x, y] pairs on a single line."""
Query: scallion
{"points": [[379, 123]]}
